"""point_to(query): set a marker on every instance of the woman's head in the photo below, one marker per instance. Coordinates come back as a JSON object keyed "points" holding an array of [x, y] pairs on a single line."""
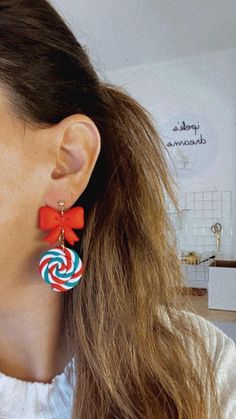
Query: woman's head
{"points": [[49, 93], [40, 166], [128, 364]]}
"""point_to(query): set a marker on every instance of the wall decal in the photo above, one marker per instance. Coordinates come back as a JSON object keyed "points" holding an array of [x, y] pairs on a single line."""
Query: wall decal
{"points": [[191, 142]]}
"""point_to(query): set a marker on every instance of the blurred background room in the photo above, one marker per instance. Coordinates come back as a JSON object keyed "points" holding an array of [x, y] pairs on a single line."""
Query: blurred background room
{"points": [[178, 59]]}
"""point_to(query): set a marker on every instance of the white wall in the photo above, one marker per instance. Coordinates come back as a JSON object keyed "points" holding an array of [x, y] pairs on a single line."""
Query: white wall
{"points": [[201, 84]]}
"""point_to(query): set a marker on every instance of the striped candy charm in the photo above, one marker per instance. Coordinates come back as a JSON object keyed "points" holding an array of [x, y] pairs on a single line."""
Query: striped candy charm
{"points": [[61, 268]]}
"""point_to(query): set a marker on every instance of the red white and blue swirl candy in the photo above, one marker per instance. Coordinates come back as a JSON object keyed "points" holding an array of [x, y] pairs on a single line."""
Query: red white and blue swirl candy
{"points": [[61, 268]]}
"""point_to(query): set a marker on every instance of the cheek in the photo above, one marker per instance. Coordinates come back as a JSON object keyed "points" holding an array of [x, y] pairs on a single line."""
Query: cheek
{"points": [[12, 178], [22, 184], [10, 183], [25, 170], [21, 197]]}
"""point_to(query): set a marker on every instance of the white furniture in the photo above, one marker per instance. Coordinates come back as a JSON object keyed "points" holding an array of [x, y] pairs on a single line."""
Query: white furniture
{"points": [[222, 285]]}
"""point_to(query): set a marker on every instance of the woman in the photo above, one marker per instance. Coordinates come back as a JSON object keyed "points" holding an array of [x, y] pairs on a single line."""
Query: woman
{"points": [[118, 344]]}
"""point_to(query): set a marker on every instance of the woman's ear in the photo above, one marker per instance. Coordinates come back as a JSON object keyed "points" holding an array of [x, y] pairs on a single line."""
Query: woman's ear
{"points": [[78, 146]]}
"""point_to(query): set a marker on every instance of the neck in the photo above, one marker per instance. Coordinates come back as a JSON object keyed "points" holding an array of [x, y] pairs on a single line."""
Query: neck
{"points": [[32, 334]]}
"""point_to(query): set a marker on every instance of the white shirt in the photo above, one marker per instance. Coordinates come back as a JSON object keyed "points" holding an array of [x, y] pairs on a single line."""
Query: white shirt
{"points": [[28, 400], [21, 399]]}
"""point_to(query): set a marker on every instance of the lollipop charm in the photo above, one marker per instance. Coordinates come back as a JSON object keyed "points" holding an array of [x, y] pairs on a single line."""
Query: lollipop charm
{"points": [[61, 267]]}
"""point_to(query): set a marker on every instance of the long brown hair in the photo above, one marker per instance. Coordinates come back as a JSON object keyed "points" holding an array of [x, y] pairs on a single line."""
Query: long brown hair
{"points": [[129, 362]]}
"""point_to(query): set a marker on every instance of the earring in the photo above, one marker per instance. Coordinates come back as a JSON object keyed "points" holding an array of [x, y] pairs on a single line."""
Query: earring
{"points": [[61, 267]]}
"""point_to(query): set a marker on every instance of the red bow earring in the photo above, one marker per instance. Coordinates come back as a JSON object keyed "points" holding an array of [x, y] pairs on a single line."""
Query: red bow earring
{"points": [[61, 267]]}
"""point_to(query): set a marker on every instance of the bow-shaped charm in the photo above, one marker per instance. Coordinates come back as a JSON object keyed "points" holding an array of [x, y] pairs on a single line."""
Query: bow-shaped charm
{"points": [[51, 219]]}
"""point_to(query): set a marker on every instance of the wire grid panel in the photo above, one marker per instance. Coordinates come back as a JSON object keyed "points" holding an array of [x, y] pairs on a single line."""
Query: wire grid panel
{"points": [[203, 209]]}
